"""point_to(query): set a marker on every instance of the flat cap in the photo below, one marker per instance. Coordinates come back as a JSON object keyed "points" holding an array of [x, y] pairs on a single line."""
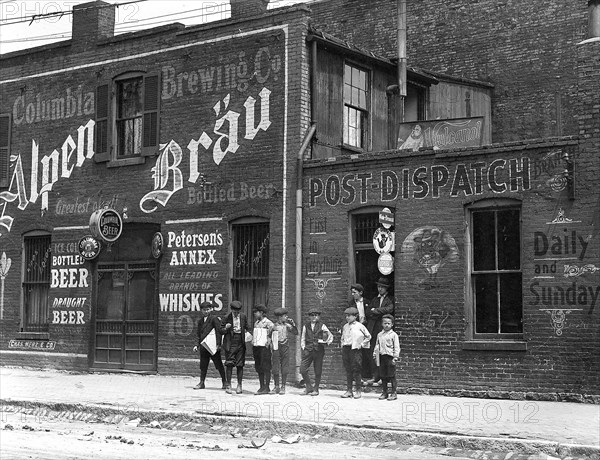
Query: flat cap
{"points": [[236, 305], [260, 308], [281, 311], [314, 310], [351, 311], [206, 305], [383, 282], [358, 287]]}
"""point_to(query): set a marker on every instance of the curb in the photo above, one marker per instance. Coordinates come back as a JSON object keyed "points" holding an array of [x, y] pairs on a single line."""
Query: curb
{"points": [[347, 433]]}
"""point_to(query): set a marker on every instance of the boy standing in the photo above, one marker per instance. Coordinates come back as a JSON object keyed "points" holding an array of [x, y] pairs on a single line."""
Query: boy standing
{"points": [[207, 323], [387, 349], [281, 348], [313, 339], [261, 348], [355, 337], [234, 331]]}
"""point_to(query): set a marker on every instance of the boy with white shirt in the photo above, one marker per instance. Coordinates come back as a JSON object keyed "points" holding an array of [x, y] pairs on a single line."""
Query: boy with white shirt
{"points": [[355, 337], [387, 351]]}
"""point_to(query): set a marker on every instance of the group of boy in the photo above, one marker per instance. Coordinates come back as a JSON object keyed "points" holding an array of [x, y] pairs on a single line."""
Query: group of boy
{"points": [[271, 345]]}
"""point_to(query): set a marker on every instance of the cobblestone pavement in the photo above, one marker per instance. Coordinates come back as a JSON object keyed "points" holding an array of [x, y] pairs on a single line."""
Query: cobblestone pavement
{"points": [[557, 428]]}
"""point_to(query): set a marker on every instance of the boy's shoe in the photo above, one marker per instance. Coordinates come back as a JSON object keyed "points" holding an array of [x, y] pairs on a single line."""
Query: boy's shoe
{"points": [[282, 390], [228, 390], [275, 390], [383, 396], [314, 393], [307, 391], [392, 397], [348, 394], [238, 390], [357, 394], [225, 385], [200, 386]]}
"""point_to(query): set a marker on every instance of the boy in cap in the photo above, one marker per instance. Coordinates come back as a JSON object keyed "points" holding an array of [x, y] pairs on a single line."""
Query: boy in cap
{"points": [[355, 337], [234, 331], [312, 342], [362, 305], [381, 305], [387, 349], [207, 323], [261, 348], [281, 349]]}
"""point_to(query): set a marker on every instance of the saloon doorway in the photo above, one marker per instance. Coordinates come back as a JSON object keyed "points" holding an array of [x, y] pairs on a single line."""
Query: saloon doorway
{"points": [[125, 303]]}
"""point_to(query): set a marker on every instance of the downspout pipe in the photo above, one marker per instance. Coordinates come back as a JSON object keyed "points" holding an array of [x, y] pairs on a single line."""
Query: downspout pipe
{"points": [[299, 218]]}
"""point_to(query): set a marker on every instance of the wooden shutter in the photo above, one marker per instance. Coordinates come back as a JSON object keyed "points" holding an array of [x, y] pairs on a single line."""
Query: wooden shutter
{"points": [[5, 124], [103, 121], [150, 123]]}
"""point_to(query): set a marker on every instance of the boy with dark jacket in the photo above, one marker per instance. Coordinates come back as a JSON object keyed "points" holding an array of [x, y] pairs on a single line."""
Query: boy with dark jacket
{"points": [[315, 335], [234, 329], [207, 323]]}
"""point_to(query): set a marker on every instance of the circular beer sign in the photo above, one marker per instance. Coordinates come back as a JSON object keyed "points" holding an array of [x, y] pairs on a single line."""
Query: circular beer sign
{"points": [[106, 224], [385, 263], [157, 245], [89, 247]]}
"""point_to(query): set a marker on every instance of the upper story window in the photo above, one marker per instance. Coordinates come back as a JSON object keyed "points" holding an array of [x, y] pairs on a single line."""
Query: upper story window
{"points": [[495, 269], [127, 122], [5, 124], [356, 106]]}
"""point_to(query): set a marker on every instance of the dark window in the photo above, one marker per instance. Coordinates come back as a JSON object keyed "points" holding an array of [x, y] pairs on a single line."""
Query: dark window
{"points": [[496, 276], [250, 279], [356, 109], [129, 117], [36, 282], [5, 124]]}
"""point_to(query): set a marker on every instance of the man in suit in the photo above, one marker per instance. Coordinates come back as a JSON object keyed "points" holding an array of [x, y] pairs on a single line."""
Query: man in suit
{"points": [[362, 305], [207, 323], [234, 331], [381, 305]]}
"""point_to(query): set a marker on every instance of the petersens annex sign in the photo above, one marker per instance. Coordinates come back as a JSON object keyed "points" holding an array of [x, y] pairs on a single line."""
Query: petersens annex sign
{"points": [[499, 176]]}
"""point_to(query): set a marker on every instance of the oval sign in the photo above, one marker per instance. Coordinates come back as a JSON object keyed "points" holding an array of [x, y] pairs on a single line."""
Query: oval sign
{"points": [[385, 263], [89, 247], [383, 240], [106, 224], [157, 245], [386, 217]]}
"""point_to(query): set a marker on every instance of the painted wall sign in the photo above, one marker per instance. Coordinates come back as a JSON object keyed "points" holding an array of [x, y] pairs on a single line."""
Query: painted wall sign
{"points": [[106, 224], [385, 263], [498, 176], [383, 241], [441, 134], [158, 243], [186, 244], [29, 344], [386, 218], [89, 247]]}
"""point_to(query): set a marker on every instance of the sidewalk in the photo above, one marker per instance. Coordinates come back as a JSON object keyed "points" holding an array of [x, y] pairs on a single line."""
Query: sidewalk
{"points": [[568, 427]]}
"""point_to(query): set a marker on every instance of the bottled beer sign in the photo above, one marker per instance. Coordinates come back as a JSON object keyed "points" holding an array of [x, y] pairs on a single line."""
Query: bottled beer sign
{"points": [[106, 224]]}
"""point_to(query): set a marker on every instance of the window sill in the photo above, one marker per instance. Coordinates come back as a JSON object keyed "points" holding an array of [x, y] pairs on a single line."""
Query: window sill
{"points": [[126, 162], [351, 149], [493, 345], [33, 335]]}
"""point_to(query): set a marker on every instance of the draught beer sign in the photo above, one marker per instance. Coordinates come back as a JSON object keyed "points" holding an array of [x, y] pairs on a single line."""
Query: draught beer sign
{"points": [[106, 224]]}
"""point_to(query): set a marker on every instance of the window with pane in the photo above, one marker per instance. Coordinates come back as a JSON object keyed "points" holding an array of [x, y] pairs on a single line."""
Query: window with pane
{"points": [[250, 277], [129, 117], [356, 110], [36, 282], [496, 276]]}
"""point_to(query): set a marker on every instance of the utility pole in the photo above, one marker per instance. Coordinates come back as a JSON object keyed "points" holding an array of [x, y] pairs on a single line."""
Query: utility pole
{"points": [[401, 59]]}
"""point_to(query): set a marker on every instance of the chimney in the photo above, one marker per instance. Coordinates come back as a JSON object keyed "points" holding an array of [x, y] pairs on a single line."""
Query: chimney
{"points": [[245, 8], [92, 22], [593, 18]]}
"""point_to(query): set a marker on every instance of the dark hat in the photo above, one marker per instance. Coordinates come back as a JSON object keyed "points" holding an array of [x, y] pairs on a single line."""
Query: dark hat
{"points": [[281, 311], [206, 305], [351, 311], [383, 282], [314, 310], [358, 287], [260, 308], [215, 305], [236, 305]]}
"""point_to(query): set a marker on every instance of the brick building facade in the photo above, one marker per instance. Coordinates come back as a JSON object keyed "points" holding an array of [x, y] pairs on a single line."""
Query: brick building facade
{"points": [[201, 135]]}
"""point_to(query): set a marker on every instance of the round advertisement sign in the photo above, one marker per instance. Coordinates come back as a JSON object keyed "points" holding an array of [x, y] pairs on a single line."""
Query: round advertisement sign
{"points": [[383, 240], [89, 247], [157, 245], [106, 224], [385, 263]]}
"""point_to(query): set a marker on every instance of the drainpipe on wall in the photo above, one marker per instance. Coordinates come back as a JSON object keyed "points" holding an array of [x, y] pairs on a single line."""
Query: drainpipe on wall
{"points": [[300, 179], [401, 59]]}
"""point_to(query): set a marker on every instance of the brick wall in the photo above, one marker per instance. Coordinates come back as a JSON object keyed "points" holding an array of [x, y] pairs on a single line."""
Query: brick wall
{"points": [[514, 45]]}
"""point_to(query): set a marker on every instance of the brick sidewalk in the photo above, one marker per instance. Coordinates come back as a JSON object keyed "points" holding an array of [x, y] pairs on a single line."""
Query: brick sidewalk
{"points": [[556, 422]]}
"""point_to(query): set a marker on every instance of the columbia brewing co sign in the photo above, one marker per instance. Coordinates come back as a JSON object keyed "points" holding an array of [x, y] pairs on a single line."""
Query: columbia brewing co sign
{"points": [[106, 224], [89, 247]]}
